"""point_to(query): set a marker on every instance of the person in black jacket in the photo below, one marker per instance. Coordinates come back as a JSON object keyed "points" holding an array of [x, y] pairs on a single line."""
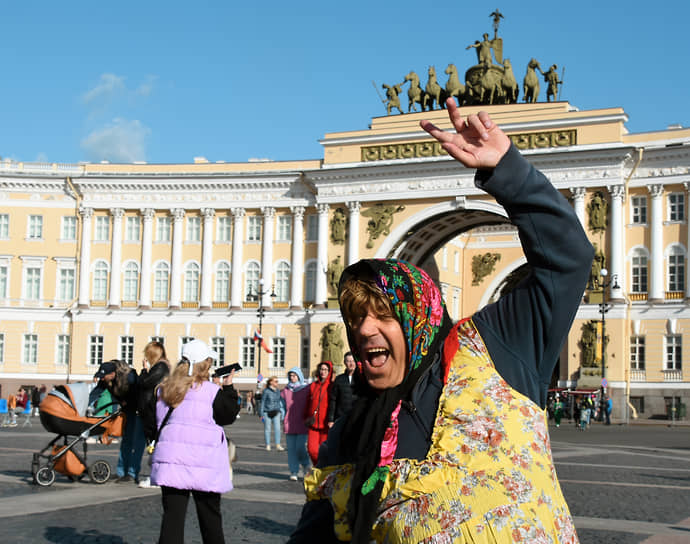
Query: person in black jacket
{"points": [[344, 391], [156, 369]]}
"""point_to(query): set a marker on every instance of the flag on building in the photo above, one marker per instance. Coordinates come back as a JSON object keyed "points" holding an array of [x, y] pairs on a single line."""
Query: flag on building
{"points": [[260, 339]]}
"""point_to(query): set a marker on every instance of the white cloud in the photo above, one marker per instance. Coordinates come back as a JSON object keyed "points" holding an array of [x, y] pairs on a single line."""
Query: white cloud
{"points": [[120, 141], [146, 88], [109, 85]]}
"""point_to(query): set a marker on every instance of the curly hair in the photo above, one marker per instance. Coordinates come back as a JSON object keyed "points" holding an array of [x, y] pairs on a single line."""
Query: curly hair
{"points": [[359, 296]]}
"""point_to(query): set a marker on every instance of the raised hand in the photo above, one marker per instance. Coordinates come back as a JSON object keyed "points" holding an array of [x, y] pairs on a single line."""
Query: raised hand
{"points": [[478, 142]]}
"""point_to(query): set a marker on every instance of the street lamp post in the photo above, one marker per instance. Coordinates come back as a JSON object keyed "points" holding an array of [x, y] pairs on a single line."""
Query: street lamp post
{"points": [[260, 313], [603, 308]]}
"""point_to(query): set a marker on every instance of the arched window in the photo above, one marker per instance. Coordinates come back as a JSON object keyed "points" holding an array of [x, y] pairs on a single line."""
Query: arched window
{"points": [[161, 282], [639, 271], [222, 282], [676, 269], [191, 283], [252, 281], [310, 281], [100, 281], [283, 282], [131, 282]]}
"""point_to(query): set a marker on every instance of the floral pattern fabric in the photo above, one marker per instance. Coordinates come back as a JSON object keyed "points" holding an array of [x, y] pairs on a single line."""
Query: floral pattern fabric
{"points": [[488, 476]]}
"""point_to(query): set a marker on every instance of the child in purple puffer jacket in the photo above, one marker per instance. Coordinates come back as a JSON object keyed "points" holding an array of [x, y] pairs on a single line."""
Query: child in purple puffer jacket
{"points": [[191, 453]]}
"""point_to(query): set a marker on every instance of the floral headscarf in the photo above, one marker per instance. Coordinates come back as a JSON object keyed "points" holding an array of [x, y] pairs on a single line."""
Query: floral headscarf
{"points": [[370, 432]]}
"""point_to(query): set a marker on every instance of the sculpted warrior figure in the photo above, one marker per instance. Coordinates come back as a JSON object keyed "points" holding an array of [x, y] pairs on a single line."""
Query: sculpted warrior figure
{"points": [[334, 272], [393, 101], [552, 80], [598, 211], [483, 50], [338, 224], [331, 343], [598, 263]]}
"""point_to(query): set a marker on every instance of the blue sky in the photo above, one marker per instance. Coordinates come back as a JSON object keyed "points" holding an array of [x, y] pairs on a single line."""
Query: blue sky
{"points": [[169, 81]]}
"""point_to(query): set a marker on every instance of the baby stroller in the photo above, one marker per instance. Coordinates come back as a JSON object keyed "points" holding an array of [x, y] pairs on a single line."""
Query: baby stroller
{"points": [[64, 412]]}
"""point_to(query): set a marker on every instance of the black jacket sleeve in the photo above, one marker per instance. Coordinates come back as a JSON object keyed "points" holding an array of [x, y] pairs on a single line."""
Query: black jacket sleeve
{"points": [[525, 330], [225, 405]]}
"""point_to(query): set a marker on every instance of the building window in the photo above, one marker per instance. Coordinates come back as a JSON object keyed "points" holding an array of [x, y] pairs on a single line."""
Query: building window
{"points": [[163, 229], [639, 210], [456, 262], [2, 348], [672, 407], [637, 353], [187, 339], [282, 285], [69, 228], [100, 281], [127, 349], [218, 345], [639, 272], [444, 258], [4, 226], [305, 353], [32, 283], [674, 352], [102, 232], [131, 282], [66, 279], [191, 283], [247, 356], [224, 223], [252, 281], [35, 227], [95, 349], [310, 281], [222, 282], [278, 355], [676, 270], [62, 350], [676, 207], [4, 281], [30, 354], [194, 229], [133, 229], [254, 228], [312, 228], [284, 228], [160, 282], [159, 339]]}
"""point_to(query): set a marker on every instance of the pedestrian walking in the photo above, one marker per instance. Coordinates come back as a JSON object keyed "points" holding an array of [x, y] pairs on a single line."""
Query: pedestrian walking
{"points": [[558, 410], [344, 390], [191, 452], [295, 395], [608, 408], [316, 411], [272, 413]]}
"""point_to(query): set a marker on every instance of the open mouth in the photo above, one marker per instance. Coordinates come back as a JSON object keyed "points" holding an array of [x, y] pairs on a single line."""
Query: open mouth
{"points": [[376, 357]]}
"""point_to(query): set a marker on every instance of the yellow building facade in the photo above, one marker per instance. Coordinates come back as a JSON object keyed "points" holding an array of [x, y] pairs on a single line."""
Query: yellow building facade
{"points": [[98, 259]]}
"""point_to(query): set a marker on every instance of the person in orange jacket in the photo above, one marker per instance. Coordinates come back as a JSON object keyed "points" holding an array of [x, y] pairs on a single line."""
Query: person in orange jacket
{"points": [[316, 410]]}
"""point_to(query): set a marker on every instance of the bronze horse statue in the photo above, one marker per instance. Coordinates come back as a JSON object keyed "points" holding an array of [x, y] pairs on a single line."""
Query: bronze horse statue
{"points": [[432, 92], [415, 94], [453, 87], [531, 82]]}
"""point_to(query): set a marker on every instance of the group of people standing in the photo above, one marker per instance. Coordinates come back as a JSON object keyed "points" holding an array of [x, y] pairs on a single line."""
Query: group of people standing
{"points": [[307, 411]]}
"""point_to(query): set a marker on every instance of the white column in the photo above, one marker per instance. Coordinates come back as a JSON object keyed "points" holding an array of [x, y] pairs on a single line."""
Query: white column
{"points": [[85, 256], [237, 241], [353, 233], [116, 258], [579, 203], [207, 258], [321, 295], [297, 267], [656, 288], [267, 254], [176, 264], [617, 243], [146, 246]]}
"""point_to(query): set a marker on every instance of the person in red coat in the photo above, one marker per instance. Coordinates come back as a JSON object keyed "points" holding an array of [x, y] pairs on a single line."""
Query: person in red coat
{"points": [[316, 409]]}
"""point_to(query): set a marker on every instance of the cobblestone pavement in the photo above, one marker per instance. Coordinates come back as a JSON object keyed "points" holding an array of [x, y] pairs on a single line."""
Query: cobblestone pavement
{"points": [[624, 484]]}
